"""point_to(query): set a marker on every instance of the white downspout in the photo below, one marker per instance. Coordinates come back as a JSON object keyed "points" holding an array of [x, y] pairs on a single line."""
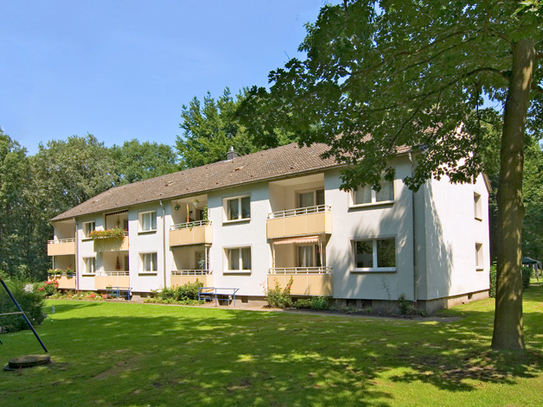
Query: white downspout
{"points": [[414, 236], [164, 242]]}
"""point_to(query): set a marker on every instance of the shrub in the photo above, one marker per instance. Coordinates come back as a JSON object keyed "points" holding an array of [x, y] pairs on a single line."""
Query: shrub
{"points": [[526, 275], [30, 300], [277, 297], [48, 288], [186, 293], [319, 303], [492, 291], [303, 303]]}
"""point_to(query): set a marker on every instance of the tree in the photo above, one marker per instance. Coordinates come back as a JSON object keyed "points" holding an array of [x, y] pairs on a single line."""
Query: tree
{"points": [[136, 162], [211, 128], [411, 73]]}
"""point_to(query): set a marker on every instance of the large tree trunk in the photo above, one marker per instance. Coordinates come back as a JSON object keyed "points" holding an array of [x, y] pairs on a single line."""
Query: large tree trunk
{"points": [[508, 330]]}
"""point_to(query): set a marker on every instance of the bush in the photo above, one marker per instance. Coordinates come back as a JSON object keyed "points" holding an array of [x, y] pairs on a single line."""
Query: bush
{"points": [[319, 303], [492, 291], [48, 288], [279, 298], [184, 293], [303, 303], [30, 300], [526, 275]]}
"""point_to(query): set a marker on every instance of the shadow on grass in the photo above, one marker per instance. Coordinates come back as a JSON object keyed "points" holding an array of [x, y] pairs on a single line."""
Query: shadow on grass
{"points": [[129, 354]]}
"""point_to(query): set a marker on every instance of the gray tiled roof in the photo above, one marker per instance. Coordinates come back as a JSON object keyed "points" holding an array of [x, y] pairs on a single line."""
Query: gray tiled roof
{"points": [[270, 164]]}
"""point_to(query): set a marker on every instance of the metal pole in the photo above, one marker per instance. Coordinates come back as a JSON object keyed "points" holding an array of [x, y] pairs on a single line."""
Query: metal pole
{"points": [[24, 315]]}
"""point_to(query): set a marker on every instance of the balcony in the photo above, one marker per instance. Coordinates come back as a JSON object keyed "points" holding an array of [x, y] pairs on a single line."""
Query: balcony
{"points": [[112, 279], [61, 247], [110, 244], [64, 282], [198, 232], [312, 220], [314, 281], [182, 277]]}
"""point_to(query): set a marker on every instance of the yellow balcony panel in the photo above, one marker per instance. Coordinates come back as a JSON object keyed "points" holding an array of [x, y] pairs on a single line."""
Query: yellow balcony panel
{"points": [[64, 282], [60, 247], [199, 232], [314, 220], [111, 244], [112, 279], [315, 281], [182, 277]]}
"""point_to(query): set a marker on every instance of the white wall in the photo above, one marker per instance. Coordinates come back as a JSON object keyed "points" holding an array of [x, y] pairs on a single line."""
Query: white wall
{"points": [[374, 221], [241, 234]]}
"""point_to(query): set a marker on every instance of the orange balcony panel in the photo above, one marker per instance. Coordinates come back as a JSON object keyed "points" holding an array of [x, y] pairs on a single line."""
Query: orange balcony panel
{"points": [[55, 248], [101, 282], [111, 244], [65, 283], [179, 280], [191, 235], [299, 225], [304, 284]]}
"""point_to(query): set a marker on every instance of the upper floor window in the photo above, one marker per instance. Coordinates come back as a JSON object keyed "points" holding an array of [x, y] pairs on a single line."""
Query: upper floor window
{"points": [[238, 208], [309, 256], [479, 259], [478, 206], [147, 221], [311, 198], [87, 228], [375, 255], [366, 195], [90, 265]]}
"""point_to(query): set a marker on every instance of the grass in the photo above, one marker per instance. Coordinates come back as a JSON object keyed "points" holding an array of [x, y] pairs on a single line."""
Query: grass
{"points": [[122, 354]]}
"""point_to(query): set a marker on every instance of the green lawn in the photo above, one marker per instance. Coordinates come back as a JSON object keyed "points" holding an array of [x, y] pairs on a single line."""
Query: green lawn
{"points": [[122, 354]]}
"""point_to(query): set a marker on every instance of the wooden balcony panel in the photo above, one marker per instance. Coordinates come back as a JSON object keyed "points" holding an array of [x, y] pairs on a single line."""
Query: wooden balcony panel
{"points": [[304, 284], [191, 235], [60, 248], [111, 244], [299, 225]]}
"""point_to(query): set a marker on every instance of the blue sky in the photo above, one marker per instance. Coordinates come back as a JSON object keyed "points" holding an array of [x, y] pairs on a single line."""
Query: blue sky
{"points": [[122, 69]]}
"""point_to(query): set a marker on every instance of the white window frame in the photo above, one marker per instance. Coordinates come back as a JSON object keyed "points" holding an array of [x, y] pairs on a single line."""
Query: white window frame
{"points": [[240, 270], [478, 206], [86, 230], [143, 261], [226, 203], [314, 192], [479, 257], [86, 260], [375, 259], [141, 216], [374, 201]]}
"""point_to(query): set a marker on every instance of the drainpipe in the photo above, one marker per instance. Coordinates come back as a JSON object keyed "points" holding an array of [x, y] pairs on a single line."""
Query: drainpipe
{"points": [[414, 236], [163, 241], [76, 265]]}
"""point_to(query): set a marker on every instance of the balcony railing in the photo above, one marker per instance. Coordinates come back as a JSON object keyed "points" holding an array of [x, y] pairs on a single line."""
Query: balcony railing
{"points": [[190, 224], [182, 277], [313, 220], [311, 281], [113, 273], [300, 211], [197, 232], [59, 247], [300, 270]]}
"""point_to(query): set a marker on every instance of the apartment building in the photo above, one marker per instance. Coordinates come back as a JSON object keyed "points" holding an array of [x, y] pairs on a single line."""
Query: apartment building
{"points": [[252, 220]]}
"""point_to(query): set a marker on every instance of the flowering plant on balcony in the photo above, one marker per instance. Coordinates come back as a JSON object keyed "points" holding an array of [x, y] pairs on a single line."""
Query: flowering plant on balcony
{"points": [[115, 233], [69, 272], [54, 272]]}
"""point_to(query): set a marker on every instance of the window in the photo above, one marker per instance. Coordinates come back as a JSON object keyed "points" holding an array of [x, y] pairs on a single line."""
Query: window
{"points": [[147, 221], [479, 262], [238, 208], [90, 265], [365, 195], [375, 255], [309, 256], [478, 206], [239, 259], [87, 228], [311, 198], [149, 262]]}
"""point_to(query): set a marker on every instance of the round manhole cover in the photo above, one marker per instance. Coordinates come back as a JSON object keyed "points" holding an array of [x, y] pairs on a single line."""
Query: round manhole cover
{"points": [[28, 361]]}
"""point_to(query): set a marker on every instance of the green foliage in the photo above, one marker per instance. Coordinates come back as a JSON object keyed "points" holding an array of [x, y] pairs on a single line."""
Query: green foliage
{"points": [[29, 299], [320, 303], [303, 303], [47, 288], [183, 293], [492, 291], [526, 276], [136, 162], [115, 233], [278, 297], [405, 306]]}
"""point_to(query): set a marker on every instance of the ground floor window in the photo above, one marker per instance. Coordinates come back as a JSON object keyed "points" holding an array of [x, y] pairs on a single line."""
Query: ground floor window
{"points": [[239, 259], [309, 256], [375, 255], [90, 265], [149, 262], [479, 263]]}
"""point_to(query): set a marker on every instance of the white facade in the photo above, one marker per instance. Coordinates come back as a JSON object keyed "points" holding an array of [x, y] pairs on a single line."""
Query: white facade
{"points": [[430, 246]]}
